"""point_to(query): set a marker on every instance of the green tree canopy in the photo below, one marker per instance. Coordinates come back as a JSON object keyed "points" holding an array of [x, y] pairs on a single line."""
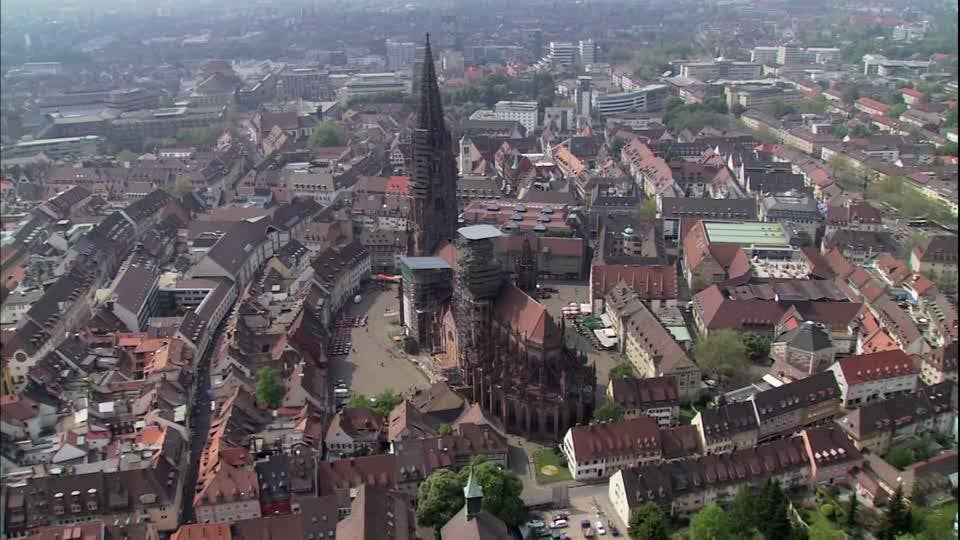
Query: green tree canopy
{"points": [[325, 135], [721, 354], [501, 490], [269, 387], [382, 403], [624, 370], [850, 94], [896, 110], [757, 346], [180, 188], [647, 209], [609, 412], [743, 511], [852, 513], [776, 522], [713, 523], [440, 497], [616, 146], [444, 430], [648, 522], [897, 517]]}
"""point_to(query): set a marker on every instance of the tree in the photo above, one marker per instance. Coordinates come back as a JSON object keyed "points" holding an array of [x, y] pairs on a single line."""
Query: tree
{"points": [[647, 209], [951, 120], [622, 371], [619, 55], [382, 403], [712, 523], [440, 497], [860, 131], [648, 523], [840, 131], [609, 412], [180, 188], [850, 94], [721, 354], [757, 346], [269, 387], [852, 508], [896, 110], [743, 511], [776, 523], [444, 430], [325, 135], [616, 146], [897, 517], [501, 490], [901, 457], [947, 149], [766, 135], [737, 109]]}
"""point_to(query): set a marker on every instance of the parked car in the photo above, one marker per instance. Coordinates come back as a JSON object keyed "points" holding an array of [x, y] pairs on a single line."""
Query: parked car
{"points": [[558, 524], [614, 531], [535, 524], [600, 530]]}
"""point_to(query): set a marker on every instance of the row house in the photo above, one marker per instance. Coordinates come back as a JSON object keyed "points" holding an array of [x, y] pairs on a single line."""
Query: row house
{"points": [[597, 451], [727, 428], [878, 425], [656, 397], [939, 365], [867, 377], [682, 488], [654, 352], [354, 430], [791, 407]]}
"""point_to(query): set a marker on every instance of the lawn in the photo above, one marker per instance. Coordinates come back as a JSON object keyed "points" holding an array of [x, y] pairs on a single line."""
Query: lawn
{"points": [[935, 523], [547, 458]]}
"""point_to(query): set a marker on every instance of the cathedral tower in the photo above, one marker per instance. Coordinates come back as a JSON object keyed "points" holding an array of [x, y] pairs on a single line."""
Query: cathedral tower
{"points": [[434, 214]]}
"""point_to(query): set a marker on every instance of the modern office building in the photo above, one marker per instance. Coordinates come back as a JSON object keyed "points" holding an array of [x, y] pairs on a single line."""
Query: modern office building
{"points": [[588, 52], [400, 54], [562, 53], [721, 69], [764, 55], [524, 112], [646, 99]]}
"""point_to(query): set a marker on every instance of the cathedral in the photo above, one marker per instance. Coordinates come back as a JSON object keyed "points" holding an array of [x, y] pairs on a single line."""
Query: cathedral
{"points": [[456, 300]]}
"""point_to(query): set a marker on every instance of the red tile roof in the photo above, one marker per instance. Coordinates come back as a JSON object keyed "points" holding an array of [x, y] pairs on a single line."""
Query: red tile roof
{"points": [[873, 104], [876, 366], [627, 437], [911, 92], [649, 282], [521, 312]]}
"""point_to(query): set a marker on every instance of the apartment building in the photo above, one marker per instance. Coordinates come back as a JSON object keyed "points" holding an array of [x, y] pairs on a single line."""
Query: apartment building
{"points": [[868, 377], [789, 408], [656, 397], [727, 428], [525, 112], [597, 451]]}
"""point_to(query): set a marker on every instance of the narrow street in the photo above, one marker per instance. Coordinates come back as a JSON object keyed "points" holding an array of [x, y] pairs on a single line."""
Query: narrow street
{"points": [[199, 424]]}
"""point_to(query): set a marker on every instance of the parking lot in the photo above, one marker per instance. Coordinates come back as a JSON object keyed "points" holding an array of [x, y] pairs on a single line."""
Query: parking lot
{"points": [[587, 503]]}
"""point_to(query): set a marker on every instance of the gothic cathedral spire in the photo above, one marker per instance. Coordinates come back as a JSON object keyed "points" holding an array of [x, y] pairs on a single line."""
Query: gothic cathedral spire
{"points": [[434, 214]]}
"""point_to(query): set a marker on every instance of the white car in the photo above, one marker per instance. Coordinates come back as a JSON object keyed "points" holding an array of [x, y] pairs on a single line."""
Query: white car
{"points": [[600, 530], [558, 524]]}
